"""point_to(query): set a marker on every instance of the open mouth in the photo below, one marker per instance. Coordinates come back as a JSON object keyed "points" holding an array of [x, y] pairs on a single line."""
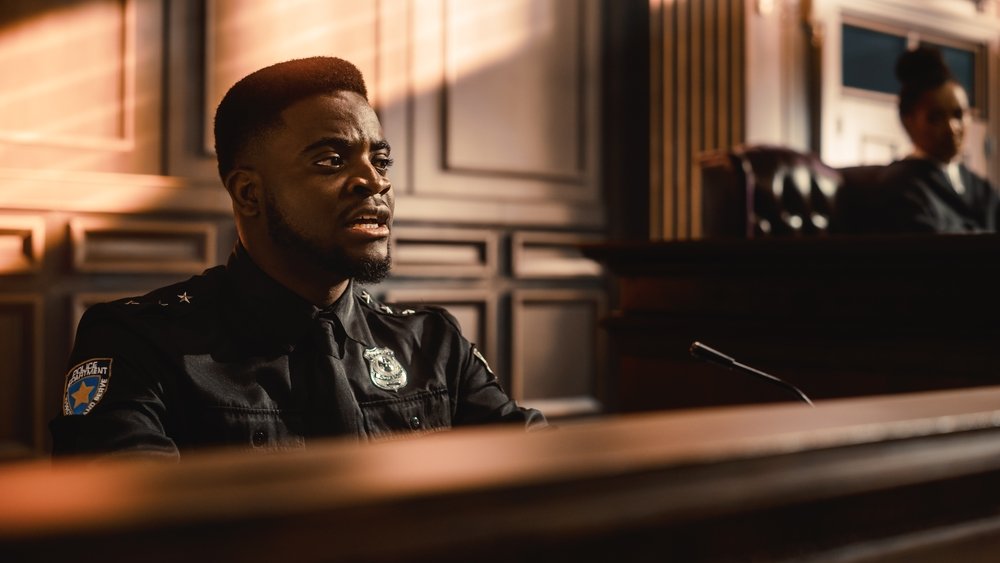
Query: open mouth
{"points": [[370, 223], [367, 222]]}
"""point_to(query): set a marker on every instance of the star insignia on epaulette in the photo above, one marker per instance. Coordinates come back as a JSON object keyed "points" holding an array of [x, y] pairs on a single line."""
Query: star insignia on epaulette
{"points": [[184, 297], [131, 302], [407, 312], [386, 308], [366, 296], [161, 303]]}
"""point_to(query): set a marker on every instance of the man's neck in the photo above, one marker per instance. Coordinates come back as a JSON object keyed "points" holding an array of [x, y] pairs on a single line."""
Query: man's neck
{"points": [[319, 287]]}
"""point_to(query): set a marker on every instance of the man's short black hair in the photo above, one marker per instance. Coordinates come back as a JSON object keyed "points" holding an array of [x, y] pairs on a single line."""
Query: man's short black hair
{"points": [[255, 103]]}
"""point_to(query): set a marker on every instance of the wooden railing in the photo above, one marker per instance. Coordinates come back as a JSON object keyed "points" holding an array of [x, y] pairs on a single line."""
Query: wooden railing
{"points": [[902, 478]]}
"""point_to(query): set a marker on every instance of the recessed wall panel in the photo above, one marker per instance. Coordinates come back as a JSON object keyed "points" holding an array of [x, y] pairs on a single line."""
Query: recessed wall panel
{"points": [[513, 102], [65, 70], [22, 244], [551, 255], [427, 252], [80, 85], [506, 111], [142, 246], [20, 355], [557, 349]]}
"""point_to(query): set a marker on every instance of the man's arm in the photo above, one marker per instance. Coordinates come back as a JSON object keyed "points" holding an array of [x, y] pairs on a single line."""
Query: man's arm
{"points": [[113, 401], [479, 397]]}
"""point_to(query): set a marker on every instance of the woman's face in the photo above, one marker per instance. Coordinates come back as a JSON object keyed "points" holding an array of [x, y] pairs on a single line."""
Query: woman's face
{"points": [[937, 124]]}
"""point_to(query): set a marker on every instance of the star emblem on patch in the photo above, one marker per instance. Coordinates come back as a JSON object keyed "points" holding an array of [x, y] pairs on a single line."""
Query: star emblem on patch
{"points": [[86, 384]]}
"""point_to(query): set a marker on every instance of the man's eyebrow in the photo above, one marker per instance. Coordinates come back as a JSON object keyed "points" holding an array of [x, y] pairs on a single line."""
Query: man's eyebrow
{"points": [[335, 142], [341, 143]]}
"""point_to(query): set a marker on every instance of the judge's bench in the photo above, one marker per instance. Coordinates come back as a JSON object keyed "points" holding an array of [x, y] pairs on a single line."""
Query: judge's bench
{"points": [[838, 316]]}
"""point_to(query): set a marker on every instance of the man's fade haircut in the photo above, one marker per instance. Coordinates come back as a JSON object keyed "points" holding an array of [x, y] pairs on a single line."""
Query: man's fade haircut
{"points": [[254, 104]]}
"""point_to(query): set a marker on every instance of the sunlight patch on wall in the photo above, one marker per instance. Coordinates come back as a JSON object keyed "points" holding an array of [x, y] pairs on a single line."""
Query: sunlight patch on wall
{"points": [[66, 73]]}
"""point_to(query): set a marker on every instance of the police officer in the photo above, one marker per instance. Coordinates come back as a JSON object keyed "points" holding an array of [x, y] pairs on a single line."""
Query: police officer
{"points": [[281, 345]]}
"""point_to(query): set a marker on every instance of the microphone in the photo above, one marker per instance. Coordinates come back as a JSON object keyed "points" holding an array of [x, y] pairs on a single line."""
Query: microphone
{"points": [[706, 354]]}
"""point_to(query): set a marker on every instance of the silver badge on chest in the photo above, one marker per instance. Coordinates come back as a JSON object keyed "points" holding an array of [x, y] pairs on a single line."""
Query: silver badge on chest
{"points": [[385, 370]]}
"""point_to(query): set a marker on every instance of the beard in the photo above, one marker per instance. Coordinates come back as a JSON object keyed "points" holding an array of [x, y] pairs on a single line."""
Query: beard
{"points": [[363, 270]]}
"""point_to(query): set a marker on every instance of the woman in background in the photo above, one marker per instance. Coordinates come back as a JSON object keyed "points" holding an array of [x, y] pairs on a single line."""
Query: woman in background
{"points": [[931, 190]]}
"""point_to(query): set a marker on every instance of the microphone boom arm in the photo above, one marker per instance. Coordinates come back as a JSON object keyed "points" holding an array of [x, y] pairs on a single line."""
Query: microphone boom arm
{"points": [[704, 353]]}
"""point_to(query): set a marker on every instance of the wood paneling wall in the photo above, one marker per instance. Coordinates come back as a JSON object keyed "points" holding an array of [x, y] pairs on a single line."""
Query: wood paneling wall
{"points": [[697, 90], [108, 186]]}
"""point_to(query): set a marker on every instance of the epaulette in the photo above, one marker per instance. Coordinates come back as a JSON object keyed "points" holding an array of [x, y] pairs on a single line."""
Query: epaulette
{"points": [[179, 298], [367, 300]]}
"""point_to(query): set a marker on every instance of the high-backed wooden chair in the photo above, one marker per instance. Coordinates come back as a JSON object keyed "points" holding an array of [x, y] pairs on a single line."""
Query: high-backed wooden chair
{"points": [[766, 190]]}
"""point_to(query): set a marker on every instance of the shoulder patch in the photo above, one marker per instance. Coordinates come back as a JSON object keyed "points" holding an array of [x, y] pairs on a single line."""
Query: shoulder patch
{"points": [[86, 384]]}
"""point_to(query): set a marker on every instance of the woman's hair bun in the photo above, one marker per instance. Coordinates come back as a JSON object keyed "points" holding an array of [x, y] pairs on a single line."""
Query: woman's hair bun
{"points": [[923, 67]]}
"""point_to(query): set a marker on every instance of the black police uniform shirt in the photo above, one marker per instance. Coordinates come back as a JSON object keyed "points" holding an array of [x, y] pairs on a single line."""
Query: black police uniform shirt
{"points": [[232, 357]]}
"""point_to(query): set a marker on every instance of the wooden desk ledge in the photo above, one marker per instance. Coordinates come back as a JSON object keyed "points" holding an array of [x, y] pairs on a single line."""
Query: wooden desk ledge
{"points": [[475, 487]]}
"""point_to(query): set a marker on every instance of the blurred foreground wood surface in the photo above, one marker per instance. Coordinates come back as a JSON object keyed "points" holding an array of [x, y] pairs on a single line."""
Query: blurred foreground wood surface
{"points": [[900, 478]]}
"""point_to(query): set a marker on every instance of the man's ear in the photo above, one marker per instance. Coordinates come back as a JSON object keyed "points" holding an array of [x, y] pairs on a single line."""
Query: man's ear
{"points": [[244, 187]]}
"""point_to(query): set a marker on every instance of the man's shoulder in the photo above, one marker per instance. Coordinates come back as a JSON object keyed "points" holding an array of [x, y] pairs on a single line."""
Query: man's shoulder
{"points": [[190, 298], [403, 314]]}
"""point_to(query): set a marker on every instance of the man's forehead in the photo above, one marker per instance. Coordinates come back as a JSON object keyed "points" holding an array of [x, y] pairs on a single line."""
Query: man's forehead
{"points": [[340, 115]]}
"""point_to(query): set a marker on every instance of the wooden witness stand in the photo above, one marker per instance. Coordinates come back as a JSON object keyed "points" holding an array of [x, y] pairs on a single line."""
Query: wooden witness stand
{"points": [[903, 478]]}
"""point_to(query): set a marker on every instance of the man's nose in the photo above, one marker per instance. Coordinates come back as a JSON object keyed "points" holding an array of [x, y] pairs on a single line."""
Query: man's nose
{"points": [[367, 182]]}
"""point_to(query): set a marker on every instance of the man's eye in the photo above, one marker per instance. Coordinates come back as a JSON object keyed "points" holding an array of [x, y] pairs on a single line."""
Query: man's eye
{"points": [[331, 161], [382, 163]]}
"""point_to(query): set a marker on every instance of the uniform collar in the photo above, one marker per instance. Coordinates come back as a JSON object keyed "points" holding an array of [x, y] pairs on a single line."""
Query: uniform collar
{"points": [[348, 315], [270, 315]]}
